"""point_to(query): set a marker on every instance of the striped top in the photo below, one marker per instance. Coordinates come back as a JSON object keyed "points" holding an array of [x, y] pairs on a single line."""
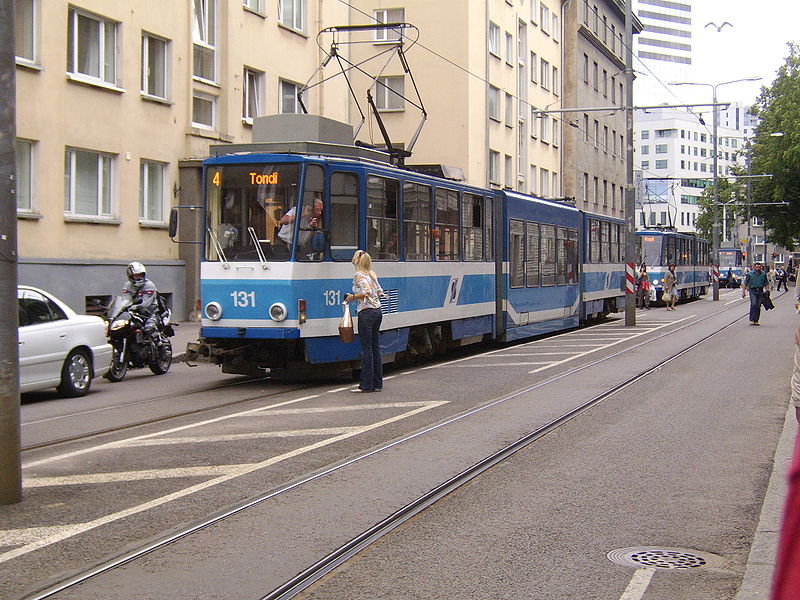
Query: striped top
{"points": [[364, 284]]}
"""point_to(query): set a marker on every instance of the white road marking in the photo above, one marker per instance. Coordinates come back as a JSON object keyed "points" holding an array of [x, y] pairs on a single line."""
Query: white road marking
{"points": [[235, 437], [638, 585], [503, 364], [56, 534], [640, 333]]}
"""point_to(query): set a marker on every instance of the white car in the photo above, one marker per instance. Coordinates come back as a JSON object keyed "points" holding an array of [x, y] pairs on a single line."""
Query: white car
{"points": [[58, 347]]}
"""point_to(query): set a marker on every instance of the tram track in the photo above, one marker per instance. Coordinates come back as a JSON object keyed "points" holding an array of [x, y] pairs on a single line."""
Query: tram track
{"points": [[331, 561]]}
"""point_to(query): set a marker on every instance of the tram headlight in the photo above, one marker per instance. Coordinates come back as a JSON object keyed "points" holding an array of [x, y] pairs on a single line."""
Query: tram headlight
{"points": [[277, 312], [655, 281], [213, 311]]}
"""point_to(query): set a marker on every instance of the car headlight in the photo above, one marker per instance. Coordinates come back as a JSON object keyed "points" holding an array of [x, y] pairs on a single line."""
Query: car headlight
{"points": [[277, 312], [119, 324], [213, 311]]}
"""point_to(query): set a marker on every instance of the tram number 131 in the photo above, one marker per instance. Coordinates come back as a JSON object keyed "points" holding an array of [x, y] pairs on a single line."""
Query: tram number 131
{"points": [[332, 297], [243, 299]]}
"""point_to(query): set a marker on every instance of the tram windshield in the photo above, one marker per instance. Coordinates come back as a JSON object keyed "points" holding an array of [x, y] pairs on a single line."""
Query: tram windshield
{"points": [[729, 258], [651, 250], [252, 212]]}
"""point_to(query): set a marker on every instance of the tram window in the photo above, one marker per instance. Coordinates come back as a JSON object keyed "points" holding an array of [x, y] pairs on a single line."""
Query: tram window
{"points": [[651, 249], [532, 259], [447, 224], [309, 248], [472, 223], [668, 251], [416, 221], [344, 215], [615, 249], [382, 219], [561, 256], [549, 256], [594, 241], [605, 242], [488, 235], [516, 252], [572, 256]]}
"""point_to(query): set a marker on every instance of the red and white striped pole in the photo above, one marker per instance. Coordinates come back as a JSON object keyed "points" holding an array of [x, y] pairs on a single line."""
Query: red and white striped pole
{"points": [[714, 275], [630, 287]]}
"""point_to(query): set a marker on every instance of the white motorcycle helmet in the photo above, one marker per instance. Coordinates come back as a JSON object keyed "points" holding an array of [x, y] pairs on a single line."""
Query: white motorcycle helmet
{"points": [[136, 274]]}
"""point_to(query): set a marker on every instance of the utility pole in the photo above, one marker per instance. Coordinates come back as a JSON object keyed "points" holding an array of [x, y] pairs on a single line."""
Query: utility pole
{"points": [[630, 198], [10, 465]]}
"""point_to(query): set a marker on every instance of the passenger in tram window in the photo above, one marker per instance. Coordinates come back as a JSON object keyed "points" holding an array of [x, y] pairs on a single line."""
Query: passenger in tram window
{"points": [[390, 251], [310, 219], [368, 292]]}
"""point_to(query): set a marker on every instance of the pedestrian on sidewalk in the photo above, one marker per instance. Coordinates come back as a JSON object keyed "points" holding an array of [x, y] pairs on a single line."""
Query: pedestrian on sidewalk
{"points": [[780, 279], [786, 578], [755, 283], [367, 291], [643, 288], [670, 295]]}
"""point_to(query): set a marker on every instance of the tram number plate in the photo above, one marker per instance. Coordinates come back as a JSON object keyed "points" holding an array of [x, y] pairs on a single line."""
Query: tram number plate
{"points": [[332, 297], [244, 299]]}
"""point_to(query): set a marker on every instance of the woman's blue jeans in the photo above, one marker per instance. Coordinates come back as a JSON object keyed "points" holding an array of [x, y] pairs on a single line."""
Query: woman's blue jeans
{"points": [[369, 334]]}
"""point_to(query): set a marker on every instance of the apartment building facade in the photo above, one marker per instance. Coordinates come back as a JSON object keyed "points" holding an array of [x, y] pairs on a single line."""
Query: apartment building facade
{"points": [[118, 103]]}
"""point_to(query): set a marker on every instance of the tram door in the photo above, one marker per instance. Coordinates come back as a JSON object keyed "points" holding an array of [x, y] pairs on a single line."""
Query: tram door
{"points": [[344, 193]]}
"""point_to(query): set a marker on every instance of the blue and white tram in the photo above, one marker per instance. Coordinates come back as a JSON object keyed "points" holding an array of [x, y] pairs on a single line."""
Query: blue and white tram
{"points": [[459, 264], [660, 248], [730, 260]]}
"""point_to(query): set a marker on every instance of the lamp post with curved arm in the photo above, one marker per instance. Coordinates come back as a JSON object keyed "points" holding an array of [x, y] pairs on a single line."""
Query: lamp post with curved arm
{"points": [[716, 226]]}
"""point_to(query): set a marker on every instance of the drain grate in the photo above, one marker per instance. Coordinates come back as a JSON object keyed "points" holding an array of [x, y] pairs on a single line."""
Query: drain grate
{"points": [[654, 557]]}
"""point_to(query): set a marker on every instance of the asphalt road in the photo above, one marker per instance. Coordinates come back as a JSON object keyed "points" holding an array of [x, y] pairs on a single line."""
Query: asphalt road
{"points": [[679, 459]]}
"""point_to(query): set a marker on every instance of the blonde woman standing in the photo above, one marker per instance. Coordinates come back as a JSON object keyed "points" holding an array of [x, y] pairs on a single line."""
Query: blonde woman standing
{"points": [[367, 291], [670, 288]]}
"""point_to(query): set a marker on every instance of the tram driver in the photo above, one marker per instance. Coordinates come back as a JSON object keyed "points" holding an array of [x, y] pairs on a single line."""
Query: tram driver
{"points": [[310, 220]]}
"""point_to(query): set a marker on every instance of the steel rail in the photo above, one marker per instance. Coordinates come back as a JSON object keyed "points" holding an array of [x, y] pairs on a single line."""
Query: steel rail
{"points": [[325, 565]]}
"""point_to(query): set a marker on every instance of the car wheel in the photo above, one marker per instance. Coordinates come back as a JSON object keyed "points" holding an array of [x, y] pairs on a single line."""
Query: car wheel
{"points": [[76, 375]]}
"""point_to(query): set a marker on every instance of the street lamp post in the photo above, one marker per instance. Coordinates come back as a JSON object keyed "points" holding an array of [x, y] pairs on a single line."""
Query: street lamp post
{"points": [[715, 228]]}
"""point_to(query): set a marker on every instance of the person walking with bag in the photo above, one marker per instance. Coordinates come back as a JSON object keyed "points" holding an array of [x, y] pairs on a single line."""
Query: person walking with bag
{"points": [[755, 282], [367, 292], [670, 295], [643, 288]]}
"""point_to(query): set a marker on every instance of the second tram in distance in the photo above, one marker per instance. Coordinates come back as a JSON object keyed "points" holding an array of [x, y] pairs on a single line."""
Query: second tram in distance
{"points": [[660, 248]]}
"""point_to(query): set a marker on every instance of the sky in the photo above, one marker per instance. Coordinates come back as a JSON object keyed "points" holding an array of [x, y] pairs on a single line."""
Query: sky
{"points": [[754, 45]]}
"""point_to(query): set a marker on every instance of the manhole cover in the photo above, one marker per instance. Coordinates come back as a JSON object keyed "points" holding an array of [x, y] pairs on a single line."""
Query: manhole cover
{"points": [[654, 557]]}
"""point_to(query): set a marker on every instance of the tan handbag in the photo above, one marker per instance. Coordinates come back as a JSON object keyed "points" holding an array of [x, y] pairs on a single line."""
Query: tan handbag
{"points": [[346, 326]]}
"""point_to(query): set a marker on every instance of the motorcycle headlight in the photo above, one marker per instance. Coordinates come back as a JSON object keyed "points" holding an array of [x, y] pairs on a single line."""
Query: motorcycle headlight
{"points": [[213, 311], [277, 312], [119, 324]]}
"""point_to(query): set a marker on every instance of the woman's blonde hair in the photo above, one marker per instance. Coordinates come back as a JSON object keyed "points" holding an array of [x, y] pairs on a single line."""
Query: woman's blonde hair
{"points": [[363, 264]]}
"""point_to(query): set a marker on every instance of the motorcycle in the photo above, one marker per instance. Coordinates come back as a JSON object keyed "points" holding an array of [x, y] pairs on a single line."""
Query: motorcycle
{"points": [[132, 347]]}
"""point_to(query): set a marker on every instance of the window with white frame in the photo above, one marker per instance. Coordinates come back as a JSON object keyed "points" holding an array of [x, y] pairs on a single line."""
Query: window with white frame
{"points": [[534, 12], [544, 74], [555, 81], [388, 15], [555, 132], [154, 66], [204, 110], [204, 26], [509, 48], [26, 31], [494, 103], [544, 18], [256, 6], [544, 183], [89, 183], [509, 168], [534, 123], [92, 47], [534, 66], [252, 95], [289, 101], [494, 39], [661, 164], [24, 151], [554, 188], [494, 167], [151, 191], [509, 110], [544, 134], [389, 92], [532, 183], [292, 14], [661, 148], [556, 28]]}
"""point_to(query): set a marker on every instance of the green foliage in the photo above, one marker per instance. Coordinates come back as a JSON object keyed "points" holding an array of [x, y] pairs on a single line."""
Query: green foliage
{"points": [[778, 107], [728, 191]]}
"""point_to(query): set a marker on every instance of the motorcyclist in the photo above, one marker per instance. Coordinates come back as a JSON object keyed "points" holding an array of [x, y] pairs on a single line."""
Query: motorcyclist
{"points": [[143, 295]]}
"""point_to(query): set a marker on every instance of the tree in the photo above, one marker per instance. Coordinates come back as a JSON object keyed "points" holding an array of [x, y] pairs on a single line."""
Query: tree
{"points": [[778, 108], [733, 214]]}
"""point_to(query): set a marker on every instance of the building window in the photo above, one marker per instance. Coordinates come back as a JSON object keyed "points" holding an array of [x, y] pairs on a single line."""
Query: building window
{"points": [[532, 182], [509, 49], [494, 39], [645, 164], [661, 164], [389, 92], [544, 183], [661, 148], [388, 15], [594, 75], [203, 109], [154, 66], [509, 171], [24, 151], [92, 47], [534, 12], [256, 6], [289, 101], [151, 191], [292, 14], [585, 69], [555, 81], [204, 39], [88, 183], [494, 103], [494, 167], [585, 128], [544, 74], [544, 18], [556, 28], [509, 110], [26, 31], [534, 66], [252, 104], [555, 132], [543, 129], [645, 150]]}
